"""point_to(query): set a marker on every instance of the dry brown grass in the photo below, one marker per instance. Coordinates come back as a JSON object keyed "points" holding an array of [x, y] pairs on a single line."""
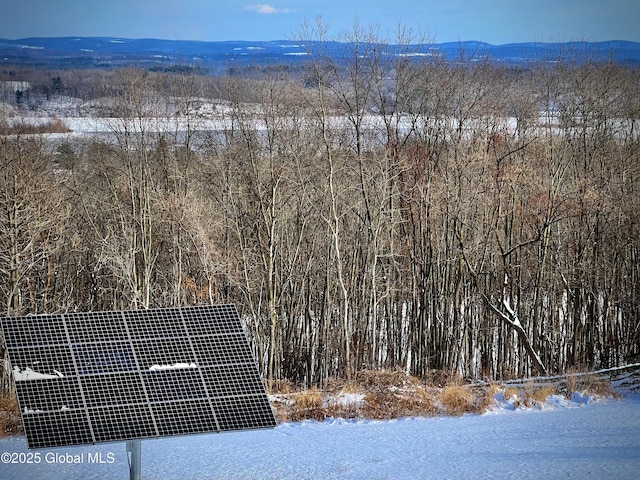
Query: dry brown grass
{"points": [[510, 392], [371, 379], [394, 394], [393, 403], [385, 394], [441, 378], [541, 394], [10, 422], [591, 383], [381, 394], [308, 405], [484, 397], [458, 400], [21, 128], [279, 386], [537, 394], [343, 407]]}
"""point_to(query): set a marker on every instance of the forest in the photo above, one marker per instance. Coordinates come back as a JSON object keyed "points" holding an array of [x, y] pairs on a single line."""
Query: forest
{"points": [[369, 212]]}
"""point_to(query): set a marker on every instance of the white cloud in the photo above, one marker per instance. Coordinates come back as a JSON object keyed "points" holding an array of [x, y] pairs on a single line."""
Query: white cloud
{"points": [[265, 8]]}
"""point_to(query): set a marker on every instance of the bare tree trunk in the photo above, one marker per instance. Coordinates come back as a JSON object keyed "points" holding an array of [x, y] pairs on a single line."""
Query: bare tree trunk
{"points": [[511, 319]]}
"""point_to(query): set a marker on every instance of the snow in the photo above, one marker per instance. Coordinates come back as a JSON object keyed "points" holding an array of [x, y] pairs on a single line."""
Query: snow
{"points": [[29, 374], [175, 366], [581, 437], [350, 399]]}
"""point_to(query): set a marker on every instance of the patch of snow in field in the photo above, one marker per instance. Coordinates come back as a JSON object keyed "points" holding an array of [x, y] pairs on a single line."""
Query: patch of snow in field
{"points": [[351, 399]]}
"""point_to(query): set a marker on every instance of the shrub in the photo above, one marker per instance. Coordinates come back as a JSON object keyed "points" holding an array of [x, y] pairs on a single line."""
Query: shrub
{"points": [[307, 405], [458, 400], [536, 394], [590, 383], [21, 128], [369, 379]]}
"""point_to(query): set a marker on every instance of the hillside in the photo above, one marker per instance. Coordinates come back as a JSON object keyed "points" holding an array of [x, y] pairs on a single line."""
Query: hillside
{"points": [[107, 52]]}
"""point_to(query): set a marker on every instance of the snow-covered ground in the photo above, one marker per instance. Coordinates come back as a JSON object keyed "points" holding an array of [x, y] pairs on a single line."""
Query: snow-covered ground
{"points": [[575, 438], [209, 115]]}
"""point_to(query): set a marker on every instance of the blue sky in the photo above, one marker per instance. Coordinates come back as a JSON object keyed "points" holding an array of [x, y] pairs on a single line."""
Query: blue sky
{"points": [[492, 21]]}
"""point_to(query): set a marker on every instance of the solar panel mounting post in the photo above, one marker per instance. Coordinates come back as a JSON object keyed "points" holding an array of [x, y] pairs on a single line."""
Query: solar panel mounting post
{"points": [[134, 452]]}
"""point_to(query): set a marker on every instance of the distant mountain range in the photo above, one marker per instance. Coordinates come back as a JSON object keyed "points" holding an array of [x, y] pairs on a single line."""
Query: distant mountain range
{"points": [[106, 52]]}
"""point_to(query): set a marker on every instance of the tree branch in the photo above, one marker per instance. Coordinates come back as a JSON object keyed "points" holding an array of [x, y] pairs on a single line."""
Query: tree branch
{"points": [[511, 319]]}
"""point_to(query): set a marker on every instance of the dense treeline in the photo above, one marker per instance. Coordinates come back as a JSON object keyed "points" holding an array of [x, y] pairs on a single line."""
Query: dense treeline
{"points": [[373, 212]]}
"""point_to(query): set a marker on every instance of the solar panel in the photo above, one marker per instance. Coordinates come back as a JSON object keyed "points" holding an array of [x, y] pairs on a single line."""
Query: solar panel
{"points": [[84, 378]]}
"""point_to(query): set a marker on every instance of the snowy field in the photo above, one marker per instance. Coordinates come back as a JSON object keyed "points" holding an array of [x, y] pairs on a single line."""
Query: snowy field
{"points": [[564, 439]]}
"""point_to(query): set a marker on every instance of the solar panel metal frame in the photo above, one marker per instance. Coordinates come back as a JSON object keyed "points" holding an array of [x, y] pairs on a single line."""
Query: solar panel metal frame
{"points": [[86, 378]]}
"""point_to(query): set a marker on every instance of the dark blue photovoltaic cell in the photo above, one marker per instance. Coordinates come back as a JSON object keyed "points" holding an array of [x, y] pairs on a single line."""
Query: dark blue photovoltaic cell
{"points": [[32, 331], [240, 413], [96, 327], [159, 352], [104, 357], [180, 418], [199, 323], [59, 394], [85, 378], [232, 380], [221, 349], [98, 391], [54, 361], [122, 422], [57, 429], [171, 385], [164, 324]]}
